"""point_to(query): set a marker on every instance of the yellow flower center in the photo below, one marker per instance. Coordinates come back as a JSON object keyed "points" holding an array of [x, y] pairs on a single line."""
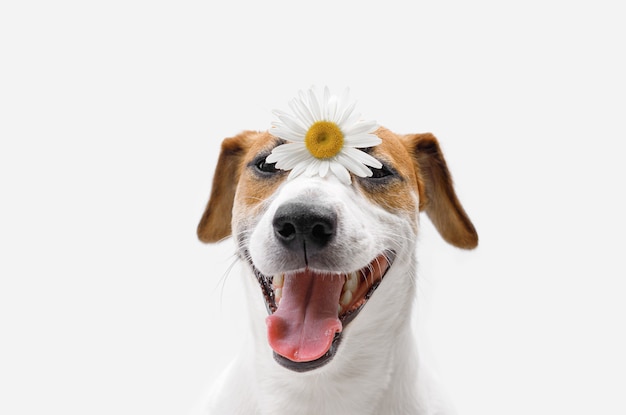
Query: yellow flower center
{"points": [[324, 139]]}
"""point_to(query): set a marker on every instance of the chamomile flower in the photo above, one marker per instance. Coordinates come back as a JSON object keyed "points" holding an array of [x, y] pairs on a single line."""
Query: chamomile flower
{"points": [[323, 136]]}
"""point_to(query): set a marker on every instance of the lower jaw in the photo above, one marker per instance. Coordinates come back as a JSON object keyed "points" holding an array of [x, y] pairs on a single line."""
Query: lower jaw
{"points": [[301, 367]]}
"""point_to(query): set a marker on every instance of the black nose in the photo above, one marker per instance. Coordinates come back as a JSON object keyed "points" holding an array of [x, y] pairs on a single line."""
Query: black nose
{"points": [[302, 226]]}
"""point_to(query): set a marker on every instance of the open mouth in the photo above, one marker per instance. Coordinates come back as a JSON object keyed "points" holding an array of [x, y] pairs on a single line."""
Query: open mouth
{"points": [[309, 310]]}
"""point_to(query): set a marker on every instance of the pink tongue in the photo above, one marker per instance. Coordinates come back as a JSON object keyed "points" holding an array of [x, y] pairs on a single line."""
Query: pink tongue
{"points": [[303, 327]]}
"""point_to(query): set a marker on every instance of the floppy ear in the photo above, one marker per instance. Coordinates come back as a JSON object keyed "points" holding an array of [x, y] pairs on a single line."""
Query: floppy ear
{"points": [[440, 202], [215, 223]]}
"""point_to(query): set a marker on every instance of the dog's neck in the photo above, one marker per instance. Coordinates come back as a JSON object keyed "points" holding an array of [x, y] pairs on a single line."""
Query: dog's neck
{"points": [[360, 375]]}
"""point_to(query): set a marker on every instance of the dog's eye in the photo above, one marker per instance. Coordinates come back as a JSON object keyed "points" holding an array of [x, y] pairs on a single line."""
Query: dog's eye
{"points": [[380, 173], [264, 166]]}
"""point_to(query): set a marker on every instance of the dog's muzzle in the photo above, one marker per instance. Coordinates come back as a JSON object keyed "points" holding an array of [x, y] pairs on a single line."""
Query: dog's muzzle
{"points": [[309, 308]]}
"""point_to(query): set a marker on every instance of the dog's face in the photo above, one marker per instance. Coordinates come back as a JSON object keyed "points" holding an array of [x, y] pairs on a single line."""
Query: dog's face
{"points": [[323, 252]]}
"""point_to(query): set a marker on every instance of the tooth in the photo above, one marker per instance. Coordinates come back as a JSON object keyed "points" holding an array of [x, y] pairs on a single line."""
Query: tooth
{"points": [[353, 282], [339, 309], [278, 294], [279, 280], [346, 298]]}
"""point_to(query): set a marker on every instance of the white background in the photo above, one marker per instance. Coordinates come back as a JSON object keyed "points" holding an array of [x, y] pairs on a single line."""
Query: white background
{"points": [[111, 116]]}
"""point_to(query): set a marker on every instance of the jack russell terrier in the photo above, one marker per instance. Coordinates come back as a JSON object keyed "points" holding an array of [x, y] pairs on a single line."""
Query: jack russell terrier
{"points": [[324, 209]]}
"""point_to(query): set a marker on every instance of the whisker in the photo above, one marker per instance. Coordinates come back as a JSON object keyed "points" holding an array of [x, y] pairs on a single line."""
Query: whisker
{"points": [[223, 278]]}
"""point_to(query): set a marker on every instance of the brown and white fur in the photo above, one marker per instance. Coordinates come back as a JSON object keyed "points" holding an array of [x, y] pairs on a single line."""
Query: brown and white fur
{"points": [[374, 369]]}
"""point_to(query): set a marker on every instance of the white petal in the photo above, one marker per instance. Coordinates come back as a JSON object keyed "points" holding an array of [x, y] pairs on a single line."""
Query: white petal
{"points": [[302, 103], [303, 97], [361, 127], [362, 157], [313, 168], [324, 104], [331, 109], [344, 98], [292, 123], [324, 166], [343, 102], [282, 131], [345, 115], [353, 165], [362, 140], [340, 171], [285, 158], [301, 106], [288, 148], [288, 162], [314, 105], [298, 170], [302, 111], [350, 121]]}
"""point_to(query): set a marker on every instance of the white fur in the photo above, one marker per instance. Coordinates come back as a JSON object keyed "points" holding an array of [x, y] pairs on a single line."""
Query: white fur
{"points": [[375, 369]]}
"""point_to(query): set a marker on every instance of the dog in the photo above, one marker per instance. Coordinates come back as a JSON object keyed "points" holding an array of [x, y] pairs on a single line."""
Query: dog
{"points": [[330, 275]]}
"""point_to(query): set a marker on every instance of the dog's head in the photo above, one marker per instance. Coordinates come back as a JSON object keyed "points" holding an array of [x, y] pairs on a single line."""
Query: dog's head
{"points": [[320, 248]]}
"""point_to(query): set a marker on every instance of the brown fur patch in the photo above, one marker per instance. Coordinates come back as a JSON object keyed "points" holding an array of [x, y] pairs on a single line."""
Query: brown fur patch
{"points": [[215, 223], [253, 189], [440, 201], [395, 195], [234, 181]]}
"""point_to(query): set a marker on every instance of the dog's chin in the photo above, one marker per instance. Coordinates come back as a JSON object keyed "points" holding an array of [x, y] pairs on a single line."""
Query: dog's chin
{"points": [[313, 364], [356, 288]]}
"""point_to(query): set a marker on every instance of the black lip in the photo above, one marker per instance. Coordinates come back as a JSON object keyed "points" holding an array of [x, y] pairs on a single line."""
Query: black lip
{"points": [[270, 304], [301, 367]]}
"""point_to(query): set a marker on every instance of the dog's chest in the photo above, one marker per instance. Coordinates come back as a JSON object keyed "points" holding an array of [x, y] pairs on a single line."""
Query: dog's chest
{"points": [[321, 396]]}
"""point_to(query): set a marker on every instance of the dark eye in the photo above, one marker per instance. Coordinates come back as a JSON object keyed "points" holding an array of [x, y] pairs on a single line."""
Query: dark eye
{"points": [[380, 173], [263, 166]]}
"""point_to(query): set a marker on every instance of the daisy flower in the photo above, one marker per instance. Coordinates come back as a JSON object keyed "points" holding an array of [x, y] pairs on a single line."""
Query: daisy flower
{"points": [[323, 136]]}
